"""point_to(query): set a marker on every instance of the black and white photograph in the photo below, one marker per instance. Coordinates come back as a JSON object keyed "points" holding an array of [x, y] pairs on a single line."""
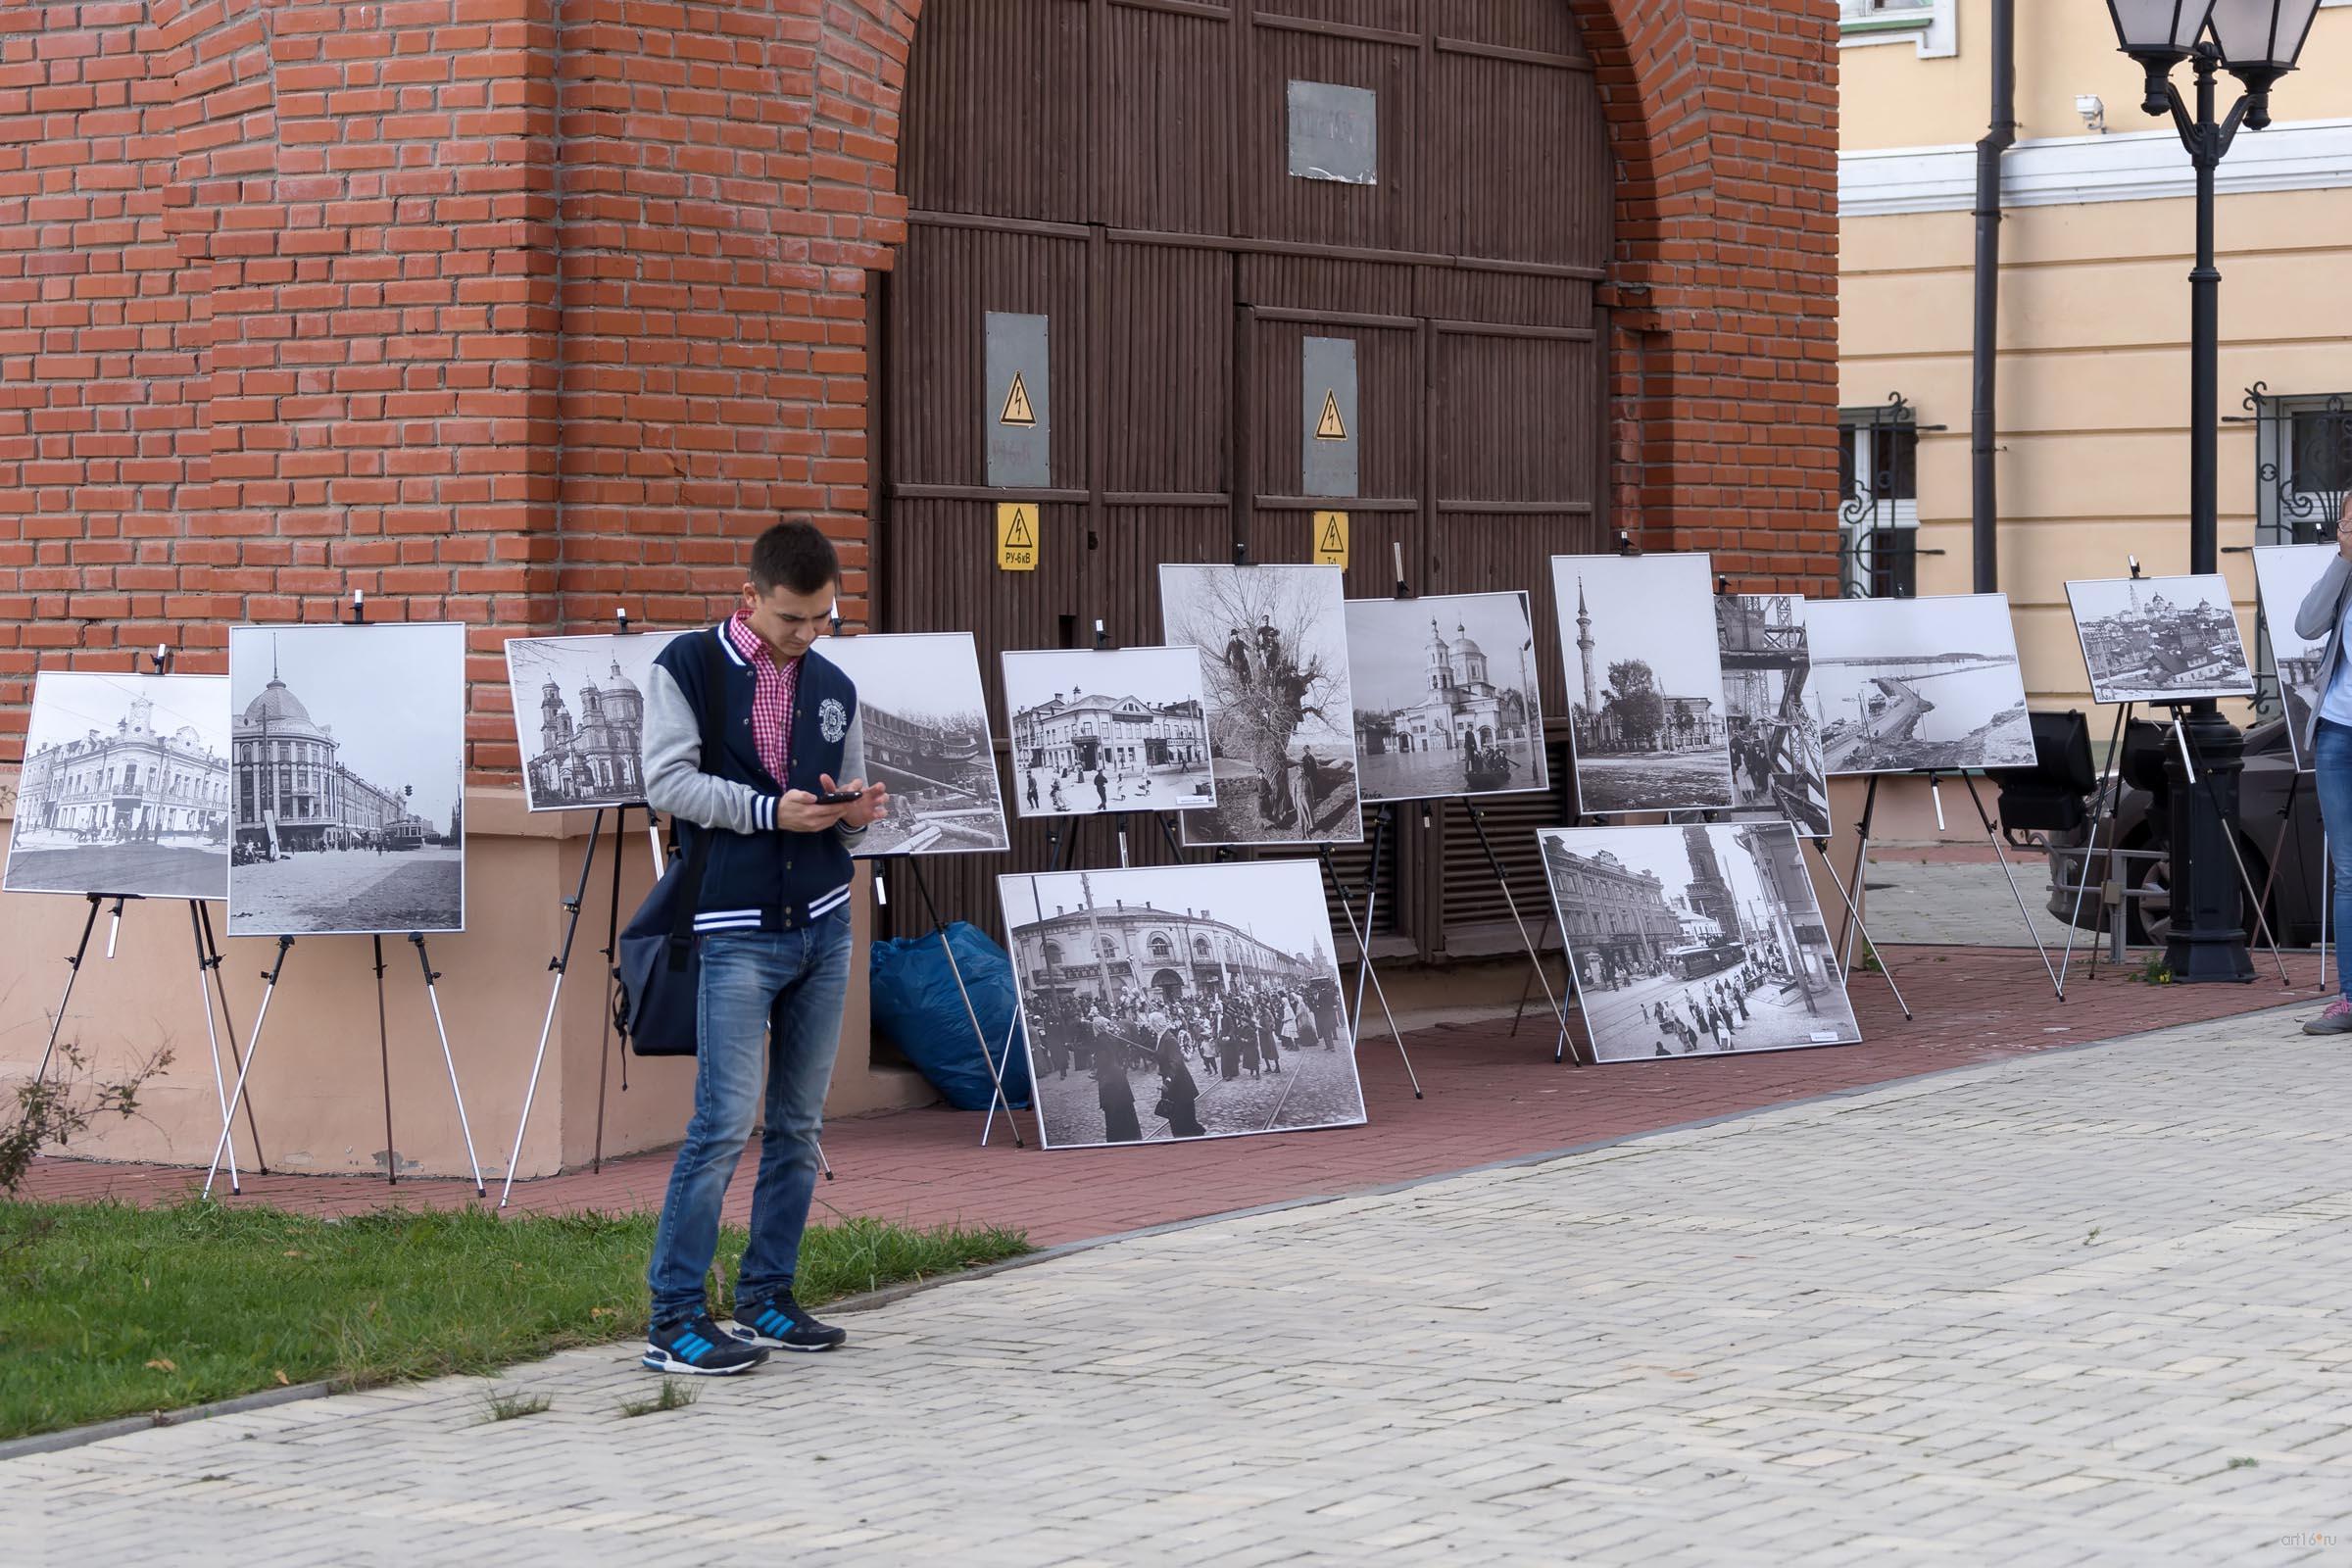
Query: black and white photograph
{"points": [[1773, 710], [347, 772], [1181, 1002], [1445, 700], [1644, 682], [2283, 575], [1281, 715], [1909, 685], [2159, 639], [926, 736], [1695, 940], [1116, 729], [125, 788], [579, 715]]}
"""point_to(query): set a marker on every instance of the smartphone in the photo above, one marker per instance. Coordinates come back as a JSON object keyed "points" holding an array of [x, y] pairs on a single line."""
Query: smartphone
{"points": [[841, 797]]}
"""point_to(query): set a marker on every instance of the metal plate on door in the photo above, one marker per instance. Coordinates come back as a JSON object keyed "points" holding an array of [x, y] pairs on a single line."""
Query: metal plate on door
{"points": [[1327, 416], [1334, 132], [1016, 403]]}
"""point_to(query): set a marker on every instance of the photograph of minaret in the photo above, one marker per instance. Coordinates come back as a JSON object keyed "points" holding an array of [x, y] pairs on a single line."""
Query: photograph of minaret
{"points": [[1445, 697], [1644, 682], [579, 716]]}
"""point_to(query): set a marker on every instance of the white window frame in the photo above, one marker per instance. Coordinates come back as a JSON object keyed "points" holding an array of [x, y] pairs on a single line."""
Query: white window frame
{"points": [[1853, 534], [1933, 30]]}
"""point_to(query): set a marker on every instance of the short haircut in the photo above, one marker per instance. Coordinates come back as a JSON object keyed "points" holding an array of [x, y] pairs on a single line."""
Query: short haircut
{"points": [[794, 555]]}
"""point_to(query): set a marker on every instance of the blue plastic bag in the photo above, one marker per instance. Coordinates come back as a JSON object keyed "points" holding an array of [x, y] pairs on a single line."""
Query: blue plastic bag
{"points": [[916, 1008]]}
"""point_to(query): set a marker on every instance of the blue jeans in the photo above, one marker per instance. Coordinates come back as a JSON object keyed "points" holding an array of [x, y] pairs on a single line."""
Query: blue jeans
{"points": [[797, 979], [2331, 764]]}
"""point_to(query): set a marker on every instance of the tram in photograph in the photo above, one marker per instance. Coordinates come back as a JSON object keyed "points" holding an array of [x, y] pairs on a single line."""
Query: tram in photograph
{"points": [[1706, 957], [407, 833]]}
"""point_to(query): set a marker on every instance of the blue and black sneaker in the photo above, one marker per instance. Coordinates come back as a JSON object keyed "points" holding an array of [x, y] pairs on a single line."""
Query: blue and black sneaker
{"points": [[781, 1323], [699, 1347]]}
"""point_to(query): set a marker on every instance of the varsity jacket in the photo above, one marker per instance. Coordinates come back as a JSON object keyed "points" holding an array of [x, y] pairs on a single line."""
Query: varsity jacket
{"points": [[759, 878]]}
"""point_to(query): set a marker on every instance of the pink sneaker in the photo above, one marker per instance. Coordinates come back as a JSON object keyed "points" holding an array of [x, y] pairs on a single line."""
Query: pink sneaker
{"points": [[2337, 1021]]}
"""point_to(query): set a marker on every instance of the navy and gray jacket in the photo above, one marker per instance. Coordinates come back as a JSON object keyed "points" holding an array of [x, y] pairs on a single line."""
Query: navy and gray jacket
{"points": [[759, 878]]}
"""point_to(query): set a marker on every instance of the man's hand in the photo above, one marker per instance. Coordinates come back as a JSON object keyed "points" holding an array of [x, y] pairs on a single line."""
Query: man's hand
{"points": [[2343, 529], [873, 803], [798, 812]]}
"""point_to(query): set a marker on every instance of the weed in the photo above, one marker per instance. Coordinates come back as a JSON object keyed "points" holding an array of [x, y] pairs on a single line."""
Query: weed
{"points": [[502, 1406], [674, 1396]]}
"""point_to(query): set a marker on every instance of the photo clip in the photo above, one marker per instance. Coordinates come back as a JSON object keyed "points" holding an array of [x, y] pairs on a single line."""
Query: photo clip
{"points": [[1102, 638], [1625, 544], [621, 621], [358, 605], [1404, 590], [162, 659], [2134, 559]]}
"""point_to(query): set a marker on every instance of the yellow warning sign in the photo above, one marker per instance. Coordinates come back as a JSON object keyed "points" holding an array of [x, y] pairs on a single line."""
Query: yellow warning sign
{"points": [[1330, 427], [1330, 539], [1016, 532], [1016, 403]]}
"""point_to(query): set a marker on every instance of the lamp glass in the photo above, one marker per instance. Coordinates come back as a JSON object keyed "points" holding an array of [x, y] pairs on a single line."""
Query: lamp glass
{"points": [[2262, 36], [2159, 27]]}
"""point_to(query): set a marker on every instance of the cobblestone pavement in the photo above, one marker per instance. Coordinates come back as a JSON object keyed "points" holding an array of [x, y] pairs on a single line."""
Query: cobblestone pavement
{"points": [[1965, 904], [351, 890], [2079, 1308]]}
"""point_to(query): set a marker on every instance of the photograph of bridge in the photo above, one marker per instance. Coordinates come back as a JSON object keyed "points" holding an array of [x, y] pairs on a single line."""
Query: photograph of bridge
{"points": [[1913, 685], [1773, 710], [2159, 639], [2283, 575], [926, 736]]}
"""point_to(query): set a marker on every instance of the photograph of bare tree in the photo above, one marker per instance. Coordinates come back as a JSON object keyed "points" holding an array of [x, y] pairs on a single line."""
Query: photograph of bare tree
{"points": [[1644, 682], [1282, 720]]}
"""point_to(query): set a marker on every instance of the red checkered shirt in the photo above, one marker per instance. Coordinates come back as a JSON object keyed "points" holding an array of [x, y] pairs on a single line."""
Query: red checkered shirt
{"points": [[773, 684]]}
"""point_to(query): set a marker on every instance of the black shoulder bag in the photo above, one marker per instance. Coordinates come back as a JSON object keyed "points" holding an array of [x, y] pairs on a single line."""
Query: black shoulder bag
{"points": [[658, 967]]}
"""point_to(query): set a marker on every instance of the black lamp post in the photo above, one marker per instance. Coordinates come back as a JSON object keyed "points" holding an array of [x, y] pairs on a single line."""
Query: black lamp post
{"points": [[2255, 41]]}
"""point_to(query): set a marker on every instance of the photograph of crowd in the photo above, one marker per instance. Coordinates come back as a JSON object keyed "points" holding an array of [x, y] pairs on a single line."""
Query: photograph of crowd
{"points": [[1644, 682], [1773, 712], [2283, 575], [124, 787], [1122, 730], [1696, 939], [1444, 692], [579, 715], [2159, 639], [348, 779], [1181, 1002], [1282, 720], [1913, 684], [926, 736]]}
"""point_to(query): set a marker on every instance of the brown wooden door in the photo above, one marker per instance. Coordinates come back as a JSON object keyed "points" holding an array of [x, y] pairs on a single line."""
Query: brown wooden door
{"points": [[1129, 170]]}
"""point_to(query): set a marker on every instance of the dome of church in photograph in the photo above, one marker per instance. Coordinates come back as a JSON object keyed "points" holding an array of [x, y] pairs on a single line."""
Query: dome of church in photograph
{"points": [[1464, 645], [619, 684]]}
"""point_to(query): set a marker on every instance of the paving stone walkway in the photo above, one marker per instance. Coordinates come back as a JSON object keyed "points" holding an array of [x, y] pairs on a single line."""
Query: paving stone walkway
{"points": [[2075, 1307]]}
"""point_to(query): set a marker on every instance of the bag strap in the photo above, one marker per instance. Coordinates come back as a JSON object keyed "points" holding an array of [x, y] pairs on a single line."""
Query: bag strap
{"points": [[698, 859]]}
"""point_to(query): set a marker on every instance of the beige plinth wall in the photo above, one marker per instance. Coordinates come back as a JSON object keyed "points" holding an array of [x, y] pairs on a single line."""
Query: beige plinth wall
{"points": [[318, 1088]]}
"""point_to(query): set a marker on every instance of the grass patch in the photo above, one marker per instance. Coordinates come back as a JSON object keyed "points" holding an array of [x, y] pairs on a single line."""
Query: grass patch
{"points": [[109, 1310], [503, 1406], [674, 1396]]}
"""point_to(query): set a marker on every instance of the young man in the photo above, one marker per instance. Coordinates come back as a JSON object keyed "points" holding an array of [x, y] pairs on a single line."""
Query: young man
{"points": [[772, 926]]}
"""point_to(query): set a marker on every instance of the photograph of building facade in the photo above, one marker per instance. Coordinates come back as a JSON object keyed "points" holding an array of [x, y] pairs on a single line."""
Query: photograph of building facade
{"points": [[1913, 685], [124, 787], [1774, 712], [925, 728], [2159, 639], [1696, 939], [347, 792], [1113, 730], [1184, 1002], [1446, 696], [579, 716], [1644, 682], [2285, 574]]}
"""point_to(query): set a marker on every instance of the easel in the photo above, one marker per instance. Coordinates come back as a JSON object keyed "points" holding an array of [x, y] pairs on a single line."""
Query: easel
{"points": [[939, 928], [285, 945], [208, 983], [1361, 935]]}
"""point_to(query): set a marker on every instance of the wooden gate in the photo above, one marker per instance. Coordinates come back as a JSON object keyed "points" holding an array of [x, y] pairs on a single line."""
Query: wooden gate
{"points": [[1187, 192]]}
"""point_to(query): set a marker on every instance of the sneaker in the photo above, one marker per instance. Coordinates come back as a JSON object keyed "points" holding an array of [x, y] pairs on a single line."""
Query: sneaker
{"points": [[2337, 1021], [699, 1347], [783, 1323]]}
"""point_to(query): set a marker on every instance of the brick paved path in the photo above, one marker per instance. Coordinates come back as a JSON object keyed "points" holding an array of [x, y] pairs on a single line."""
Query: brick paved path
{"points": [[2071, 1309]]}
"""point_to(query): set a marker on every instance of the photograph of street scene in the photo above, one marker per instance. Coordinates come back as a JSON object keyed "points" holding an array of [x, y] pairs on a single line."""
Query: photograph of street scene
{"points": [[1119, 729], [2283, 575], [1913, 684], [1444, 692], [349, 762], [1773, 712], [579, 716], [1696, 939], [1181, 1002], [124, 787], [1280, 714], [926, 736], [2159, 639], [1644, 682]]}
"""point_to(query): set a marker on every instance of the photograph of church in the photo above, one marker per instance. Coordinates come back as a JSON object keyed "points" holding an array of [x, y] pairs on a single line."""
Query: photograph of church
{"points": [[1445, 697], [2159, 639], [579, 716]]}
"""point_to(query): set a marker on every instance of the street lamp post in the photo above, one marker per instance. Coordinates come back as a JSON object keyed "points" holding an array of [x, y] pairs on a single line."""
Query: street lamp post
{"points": [[2256, 41]]}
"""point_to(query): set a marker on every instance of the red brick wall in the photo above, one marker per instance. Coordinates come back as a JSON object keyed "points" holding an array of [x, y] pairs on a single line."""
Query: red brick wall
{"points": [[511, 311]]}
